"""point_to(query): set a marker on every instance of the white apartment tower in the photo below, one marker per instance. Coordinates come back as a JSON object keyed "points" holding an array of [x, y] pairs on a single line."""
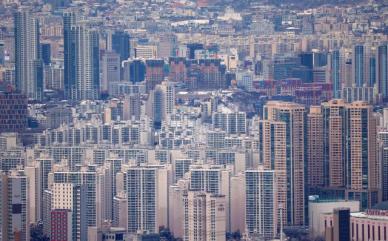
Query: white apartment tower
{"points": [[147, 192], [261, 203], [204, 216]]}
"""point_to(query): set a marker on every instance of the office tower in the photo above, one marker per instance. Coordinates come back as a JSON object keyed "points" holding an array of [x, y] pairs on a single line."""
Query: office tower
{"points": [[191, 48], [154, 73], [284, 65], [232, 122], [335, 76], [359, 66], [72, 198], [69, 19], [340, 229], [110, 67], [121, 45], [273, 156], [147, 190], [261, 203], [382, 70], [13, 112], [134, 70], [14, 206], [146, 52], [2, 53], [294, 117], [372, 67], [45, 51], [315, 146], [28, 65], [161, 102], [204, 217]]}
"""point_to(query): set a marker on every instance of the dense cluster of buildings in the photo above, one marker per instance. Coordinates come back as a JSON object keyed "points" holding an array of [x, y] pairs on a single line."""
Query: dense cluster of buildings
{"points": [[193, 120]]}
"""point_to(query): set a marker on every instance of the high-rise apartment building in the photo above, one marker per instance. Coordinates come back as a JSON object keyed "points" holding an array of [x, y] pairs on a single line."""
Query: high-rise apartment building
{"points": [[14, 207], [361, 163], [350, 150], [334, 144], [86, 180], [28, 65], [315, 146], [261, 203], [147, 191], [69, 19], [272, 155], [72, 199], [212, 179], [161, 102], [204, 216], [86, 62], [233, 122], [82, 59], [293, 115], [61, 225]]}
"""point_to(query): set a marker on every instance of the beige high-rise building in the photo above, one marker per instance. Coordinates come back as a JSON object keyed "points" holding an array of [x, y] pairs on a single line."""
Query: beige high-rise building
{"points": [[362, 166], [315, 147], [350, 151], [272, 154], [204, 217], [293, 115], [237, 202], [333, 118]]}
